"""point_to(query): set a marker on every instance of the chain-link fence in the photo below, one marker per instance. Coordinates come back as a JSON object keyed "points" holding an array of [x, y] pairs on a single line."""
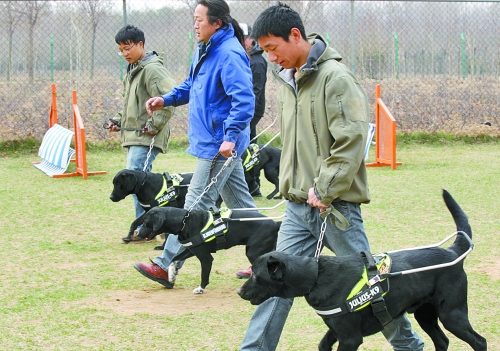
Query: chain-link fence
{"points": [[438, 63]]}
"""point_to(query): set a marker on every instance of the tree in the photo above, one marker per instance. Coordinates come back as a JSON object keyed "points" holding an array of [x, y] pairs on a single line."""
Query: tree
{"points": [[31, 11], [96, 10], [13, 18]]}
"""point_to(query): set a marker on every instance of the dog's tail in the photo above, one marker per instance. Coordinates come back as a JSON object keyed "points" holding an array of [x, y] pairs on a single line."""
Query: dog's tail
{"points": [[461, 244]]}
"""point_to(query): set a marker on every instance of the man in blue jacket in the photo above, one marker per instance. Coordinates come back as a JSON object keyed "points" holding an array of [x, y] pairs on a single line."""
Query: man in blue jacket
{"points": [[221, 104]]}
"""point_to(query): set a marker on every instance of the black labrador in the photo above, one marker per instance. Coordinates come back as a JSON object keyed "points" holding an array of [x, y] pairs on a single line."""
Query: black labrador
{"points": [[267, 159], [151, 189], [202, 234], [326, 283]]}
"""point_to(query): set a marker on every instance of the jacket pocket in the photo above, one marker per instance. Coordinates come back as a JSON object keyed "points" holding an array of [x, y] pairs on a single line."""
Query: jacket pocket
{"points": [[215, 122]]}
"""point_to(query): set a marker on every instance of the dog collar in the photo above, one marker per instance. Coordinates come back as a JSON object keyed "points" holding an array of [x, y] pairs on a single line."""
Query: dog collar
{"points": [[136, 190]]}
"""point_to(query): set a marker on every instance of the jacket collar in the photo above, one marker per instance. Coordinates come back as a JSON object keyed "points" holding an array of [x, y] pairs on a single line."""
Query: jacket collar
{"points": [[139, 65], [216, 39]]}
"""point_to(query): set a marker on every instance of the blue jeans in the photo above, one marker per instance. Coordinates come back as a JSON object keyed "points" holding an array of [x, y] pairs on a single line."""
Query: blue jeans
{"points": [[230, 185], [299, 235], [136, 158]]}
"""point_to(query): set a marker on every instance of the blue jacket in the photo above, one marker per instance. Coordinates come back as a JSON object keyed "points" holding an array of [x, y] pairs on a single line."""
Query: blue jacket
{"points": [[219, 91]]}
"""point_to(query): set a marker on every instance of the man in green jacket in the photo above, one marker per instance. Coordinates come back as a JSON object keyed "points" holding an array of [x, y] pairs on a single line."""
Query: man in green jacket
{"points": [[324, 116], [146, 77]]}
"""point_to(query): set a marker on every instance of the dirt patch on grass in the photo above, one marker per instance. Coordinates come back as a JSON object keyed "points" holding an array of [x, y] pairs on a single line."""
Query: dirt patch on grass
{"points": [[490, 267], [166, 302]]}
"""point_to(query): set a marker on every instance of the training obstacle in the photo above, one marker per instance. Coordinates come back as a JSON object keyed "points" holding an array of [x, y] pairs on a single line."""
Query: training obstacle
{"points": [[55, 149], [385, 135]]}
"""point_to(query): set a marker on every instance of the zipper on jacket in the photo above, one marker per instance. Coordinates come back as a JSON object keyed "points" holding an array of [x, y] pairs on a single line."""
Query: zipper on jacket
{"points": [[341, 110], [314, 125], [334, 176]]}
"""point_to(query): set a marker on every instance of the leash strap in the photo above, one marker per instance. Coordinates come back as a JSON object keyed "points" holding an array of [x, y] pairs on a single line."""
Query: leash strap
{"points": [[378, 304], [338, 218]]}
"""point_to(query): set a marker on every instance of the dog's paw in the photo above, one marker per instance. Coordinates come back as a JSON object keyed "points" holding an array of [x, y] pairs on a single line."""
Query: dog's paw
{"points": [[172, 272], [198, 290]]}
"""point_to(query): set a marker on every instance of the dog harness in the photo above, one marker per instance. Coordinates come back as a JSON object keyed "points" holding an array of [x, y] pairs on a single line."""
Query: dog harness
{"points": [[252, 156], [215, 229], [368, 291], [168, 193]]}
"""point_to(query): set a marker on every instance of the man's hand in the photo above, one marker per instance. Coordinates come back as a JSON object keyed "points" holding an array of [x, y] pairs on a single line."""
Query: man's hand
{"points": [[226, 149], [112, 126], [154, 104], [313, 201], [149, 130]]}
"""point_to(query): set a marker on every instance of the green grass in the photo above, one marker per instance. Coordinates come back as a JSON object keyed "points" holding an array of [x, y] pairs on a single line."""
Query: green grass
{"points": [[68, 283]]}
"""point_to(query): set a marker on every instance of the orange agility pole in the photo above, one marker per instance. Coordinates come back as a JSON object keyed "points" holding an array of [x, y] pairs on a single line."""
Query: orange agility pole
{"points": [[385, 135], [80, 151], [53, 108]]}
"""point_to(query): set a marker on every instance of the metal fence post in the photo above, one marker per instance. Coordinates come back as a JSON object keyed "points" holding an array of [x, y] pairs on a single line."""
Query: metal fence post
{"points": [[353, 45]]}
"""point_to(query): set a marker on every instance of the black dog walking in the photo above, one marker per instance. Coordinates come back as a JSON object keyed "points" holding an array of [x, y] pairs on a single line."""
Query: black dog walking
{"points": [[262, 157], [152, 189], [328, 281], [203, 235]]}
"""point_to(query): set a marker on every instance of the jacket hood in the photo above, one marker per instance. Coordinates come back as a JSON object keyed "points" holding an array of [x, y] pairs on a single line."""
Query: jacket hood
{"points": [[320, 52], [256, 50]]}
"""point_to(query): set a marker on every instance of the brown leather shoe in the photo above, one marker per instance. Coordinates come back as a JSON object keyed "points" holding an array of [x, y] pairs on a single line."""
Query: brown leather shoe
{"points": [[244, 273], [154, 272]]}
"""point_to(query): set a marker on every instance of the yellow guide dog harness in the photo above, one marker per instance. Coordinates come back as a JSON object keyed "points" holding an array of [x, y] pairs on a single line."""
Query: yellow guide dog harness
{"points": [[168, 193], [368, 291], [215, 229], [251, 157]]}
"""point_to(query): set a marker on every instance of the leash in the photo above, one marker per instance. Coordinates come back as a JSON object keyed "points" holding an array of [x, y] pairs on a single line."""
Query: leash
{"points": [[106, 126], [339, 220], [320, 240], [212, 182], [149, 153]]}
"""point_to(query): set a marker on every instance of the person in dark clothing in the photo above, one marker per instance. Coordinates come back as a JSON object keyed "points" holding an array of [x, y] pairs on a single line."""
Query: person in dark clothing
{"points": [[258, 65]]}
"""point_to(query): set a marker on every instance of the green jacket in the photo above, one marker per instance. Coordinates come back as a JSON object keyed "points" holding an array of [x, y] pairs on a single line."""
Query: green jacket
{"points": [[145, 79], [324, 127]]}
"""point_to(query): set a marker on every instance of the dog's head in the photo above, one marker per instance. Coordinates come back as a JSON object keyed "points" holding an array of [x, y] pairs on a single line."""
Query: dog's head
{"points": [[279, 274], [153, 222], [123, 184], [162, 220]]}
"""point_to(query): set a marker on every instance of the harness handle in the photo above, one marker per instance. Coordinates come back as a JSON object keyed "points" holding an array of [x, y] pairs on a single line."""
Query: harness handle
{"points": [[212, 182]]}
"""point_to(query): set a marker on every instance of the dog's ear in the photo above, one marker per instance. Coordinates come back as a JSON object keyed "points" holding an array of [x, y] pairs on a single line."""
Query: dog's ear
{"points": [[130, 180], [157, 221], [276, 268]]}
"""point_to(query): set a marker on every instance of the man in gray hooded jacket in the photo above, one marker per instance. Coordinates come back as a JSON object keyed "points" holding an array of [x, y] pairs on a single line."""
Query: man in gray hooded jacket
{"points": [[324, 116], [146, 77]]}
